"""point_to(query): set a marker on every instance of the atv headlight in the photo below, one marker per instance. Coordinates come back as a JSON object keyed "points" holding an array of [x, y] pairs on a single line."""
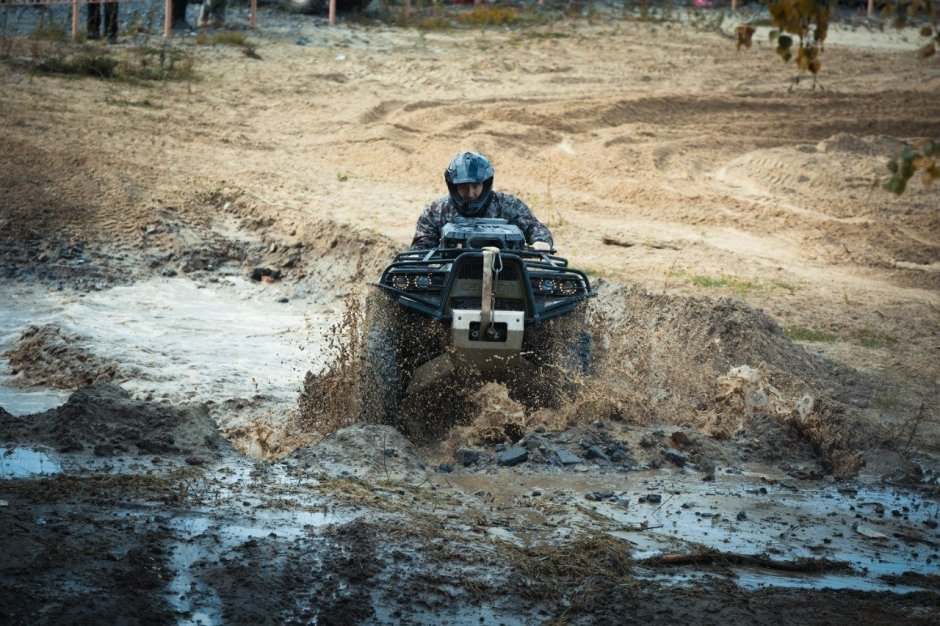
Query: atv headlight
{"points": [[557, 286], [414, 282], [568, 287], [546, 285], [400, 281]]}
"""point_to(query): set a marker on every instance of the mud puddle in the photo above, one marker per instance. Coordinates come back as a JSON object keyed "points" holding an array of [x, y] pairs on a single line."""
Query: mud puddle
{"points": [[175, 339], [878, 532], [25, 463]]}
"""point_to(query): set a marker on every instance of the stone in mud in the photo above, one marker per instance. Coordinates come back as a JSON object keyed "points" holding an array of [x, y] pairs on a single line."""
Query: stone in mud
{"points": [[652, 498], [262, 273], [513, 456], [675, 457], [596, 452], [566, 457], [467, 457]]}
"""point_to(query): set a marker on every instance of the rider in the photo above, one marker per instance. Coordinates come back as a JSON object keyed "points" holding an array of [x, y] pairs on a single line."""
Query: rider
{"points": [[469, 179]]}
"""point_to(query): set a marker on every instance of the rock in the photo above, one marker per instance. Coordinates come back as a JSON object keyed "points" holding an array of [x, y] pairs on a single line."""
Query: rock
{"points": [[261, 273], [597, 496], [513, 456], [104, 449], [650, 440], [681, 439], [467, 457], [675, 457], [742, 516], [566, 457], [71, 445], [652, 498], [168, 272], [445, 468], [595, 452]]}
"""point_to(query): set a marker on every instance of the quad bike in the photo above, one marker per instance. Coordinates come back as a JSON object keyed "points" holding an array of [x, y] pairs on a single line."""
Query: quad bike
{"points": [[480, 306]]}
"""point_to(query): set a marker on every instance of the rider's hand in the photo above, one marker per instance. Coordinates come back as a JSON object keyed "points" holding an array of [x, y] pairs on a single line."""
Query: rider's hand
{"points": [[541, 245]]}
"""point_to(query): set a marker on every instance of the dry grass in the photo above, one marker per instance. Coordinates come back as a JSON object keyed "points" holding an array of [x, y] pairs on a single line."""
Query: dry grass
{"points": [[549, 572], [176, 488], [135, 64]]}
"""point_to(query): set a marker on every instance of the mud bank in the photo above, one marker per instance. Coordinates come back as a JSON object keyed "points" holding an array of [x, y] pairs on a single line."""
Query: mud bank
{"points": [[145, 513]]}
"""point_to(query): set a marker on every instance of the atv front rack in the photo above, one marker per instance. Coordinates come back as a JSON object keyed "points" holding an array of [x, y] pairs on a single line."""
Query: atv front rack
{"points": [[437, 281]]}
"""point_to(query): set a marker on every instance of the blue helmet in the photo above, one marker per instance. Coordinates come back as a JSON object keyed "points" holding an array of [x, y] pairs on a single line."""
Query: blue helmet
{"points": [[469, 167]]}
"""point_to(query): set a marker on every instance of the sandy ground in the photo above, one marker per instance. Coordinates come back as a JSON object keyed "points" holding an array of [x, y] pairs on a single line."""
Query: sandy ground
{"points": [[726, 220]]}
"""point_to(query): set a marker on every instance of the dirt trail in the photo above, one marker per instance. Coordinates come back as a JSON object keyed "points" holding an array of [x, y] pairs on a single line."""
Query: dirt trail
{"points": [[767, 380]]}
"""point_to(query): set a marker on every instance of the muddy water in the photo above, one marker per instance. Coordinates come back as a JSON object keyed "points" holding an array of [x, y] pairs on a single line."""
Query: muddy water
{"points": [[26, 463], [181, 341], [876, 530]]}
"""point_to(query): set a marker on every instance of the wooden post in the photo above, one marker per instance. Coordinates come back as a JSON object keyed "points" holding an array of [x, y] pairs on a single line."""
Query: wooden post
{"points": [[253, 23], [734, 4], [75, 20], [332, 12], [407, 8], [871, 7], [167, 18]]}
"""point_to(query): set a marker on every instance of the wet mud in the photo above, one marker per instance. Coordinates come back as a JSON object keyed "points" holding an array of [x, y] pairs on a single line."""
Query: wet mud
{"points": [[184, 438]]}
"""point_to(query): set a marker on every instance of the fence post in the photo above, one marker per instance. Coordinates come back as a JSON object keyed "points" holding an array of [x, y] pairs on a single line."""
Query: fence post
{"points": [[75, 6], [167, 18], [254, 14]]}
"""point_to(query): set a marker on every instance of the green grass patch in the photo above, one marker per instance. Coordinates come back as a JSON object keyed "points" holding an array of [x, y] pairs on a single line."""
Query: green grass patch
{"points": [[870, 338], [136, 64], [82, 64], [801, 333], [724, 282]]}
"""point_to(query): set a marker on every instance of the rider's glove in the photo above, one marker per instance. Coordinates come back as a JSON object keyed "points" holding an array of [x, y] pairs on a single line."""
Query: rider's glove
{"points": [[541, 245]]}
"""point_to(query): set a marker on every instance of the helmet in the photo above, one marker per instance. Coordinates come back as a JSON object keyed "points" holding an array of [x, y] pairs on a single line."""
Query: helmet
{"points": [[469, 167]]}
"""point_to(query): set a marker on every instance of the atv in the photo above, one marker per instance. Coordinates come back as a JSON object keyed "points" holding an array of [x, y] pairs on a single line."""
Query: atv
{"points": [[481, 306]]}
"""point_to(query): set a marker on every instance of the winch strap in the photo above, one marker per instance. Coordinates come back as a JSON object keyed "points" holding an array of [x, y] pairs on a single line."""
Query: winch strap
{"points": [[487, 297]]}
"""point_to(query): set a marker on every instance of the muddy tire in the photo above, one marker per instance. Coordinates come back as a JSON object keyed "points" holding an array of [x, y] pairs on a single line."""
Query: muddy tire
{"points": [[561, 352], [397, 340], [381, 381]]}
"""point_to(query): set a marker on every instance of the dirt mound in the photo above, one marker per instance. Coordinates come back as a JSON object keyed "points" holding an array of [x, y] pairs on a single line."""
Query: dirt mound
{"points": [[47, 356], [103, 418], [716, 365], [365, 451]]}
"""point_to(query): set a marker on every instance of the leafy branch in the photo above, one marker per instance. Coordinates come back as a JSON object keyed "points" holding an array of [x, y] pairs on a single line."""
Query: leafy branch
{"points": [[924, 157]]}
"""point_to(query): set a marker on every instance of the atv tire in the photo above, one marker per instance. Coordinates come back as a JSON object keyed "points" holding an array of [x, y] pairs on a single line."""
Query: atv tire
{"points": [[397, 340], [381, 381], [561, 351]]}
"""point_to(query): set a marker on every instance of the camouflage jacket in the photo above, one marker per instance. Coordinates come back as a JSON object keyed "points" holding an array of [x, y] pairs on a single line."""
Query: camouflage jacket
{"points": [[501, 205]]}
